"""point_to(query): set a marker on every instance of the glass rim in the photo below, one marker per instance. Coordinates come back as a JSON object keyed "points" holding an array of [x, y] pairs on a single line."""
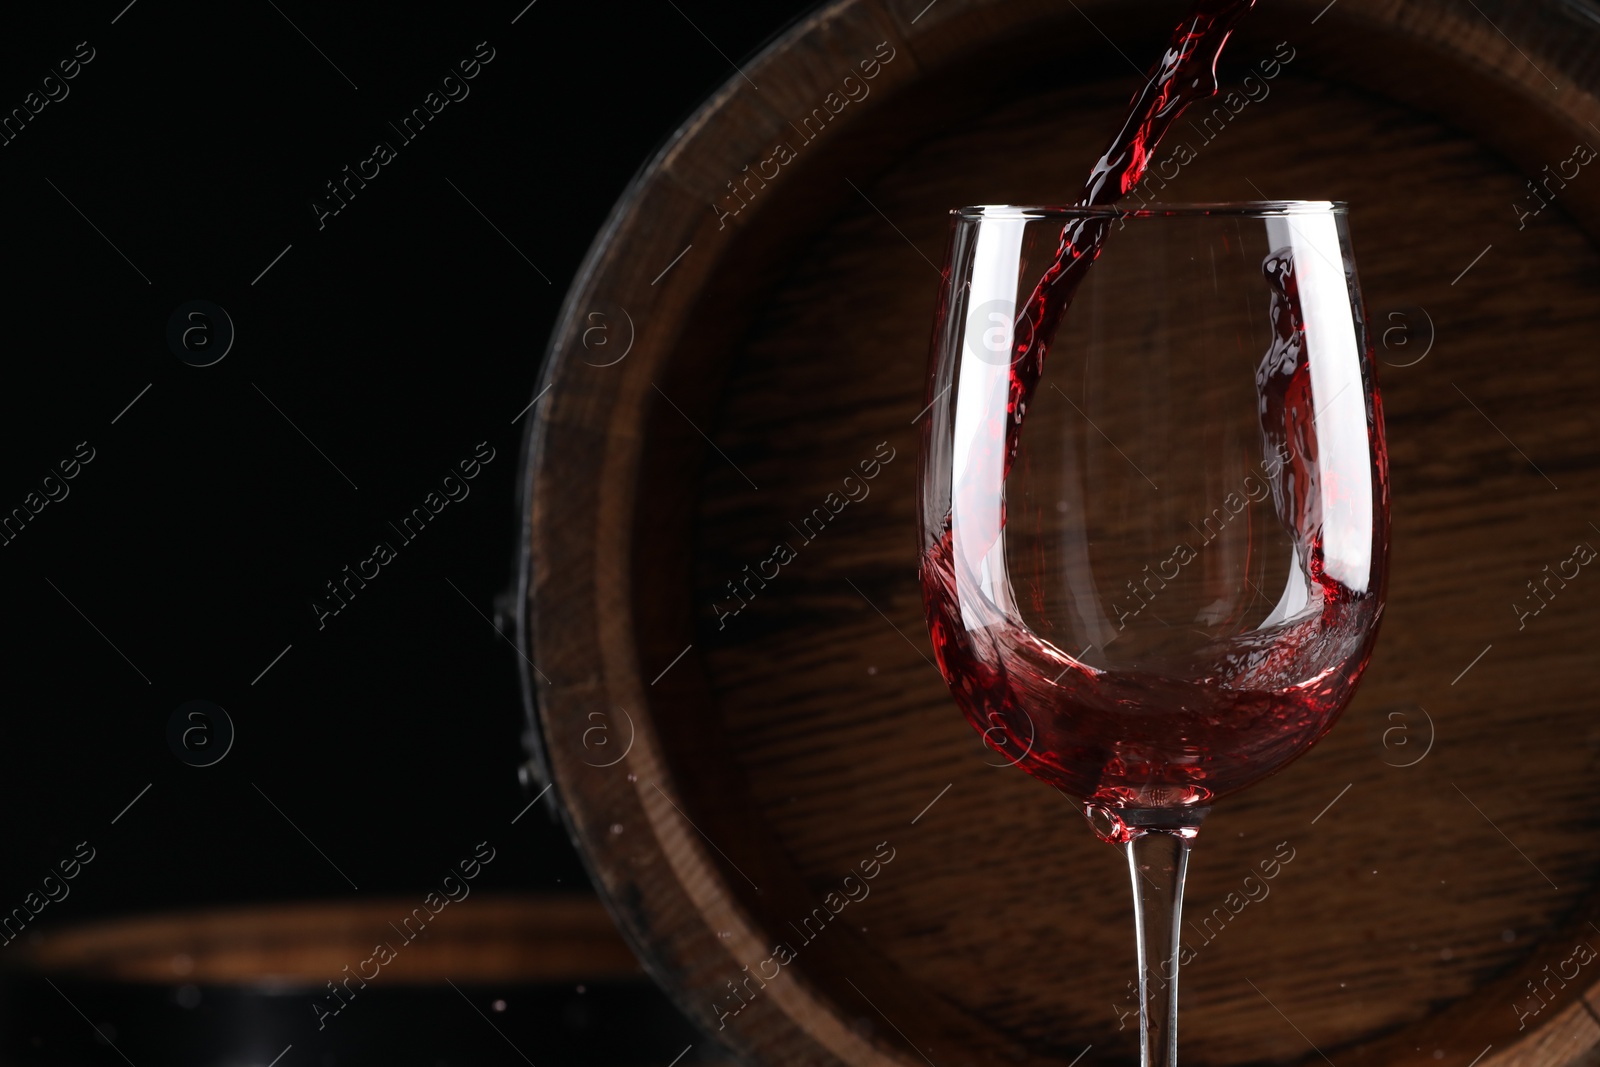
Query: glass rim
{"points": [[1234, 208]]}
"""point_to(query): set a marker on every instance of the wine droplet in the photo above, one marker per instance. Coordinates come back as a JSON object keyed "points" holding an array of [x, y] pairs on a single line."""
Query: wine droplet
{"points": [[1107, 825]]}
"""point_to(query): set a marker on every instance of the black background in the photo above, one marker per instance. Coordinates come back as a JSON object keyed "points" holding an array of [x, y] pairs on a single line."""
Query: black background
{"points": [[376, 353]]}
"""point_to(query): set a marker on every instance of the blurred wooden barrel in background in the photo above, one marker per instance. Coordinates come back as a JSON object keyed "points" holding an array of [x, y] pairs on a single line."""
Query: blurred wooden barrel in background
{"points": [[545, 974], [735, 766], [301, 946]]}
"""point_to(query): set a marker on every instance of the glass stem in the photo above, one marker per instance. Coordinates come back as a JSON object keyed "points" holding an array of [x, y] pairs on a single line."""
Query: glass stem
{"points": [[1158, 858]]}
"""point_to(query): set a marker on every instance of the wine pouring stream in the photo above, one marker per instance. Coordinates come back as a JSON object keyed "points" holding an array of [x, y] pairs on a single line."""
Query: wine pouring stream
{"points": [[1148, 743]]}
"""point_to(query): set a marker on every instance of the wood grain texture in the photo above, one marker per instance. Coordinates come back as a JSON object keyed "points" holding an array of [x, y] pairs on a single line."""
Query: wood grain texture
{"points": [[773, 751], [302, 946]]}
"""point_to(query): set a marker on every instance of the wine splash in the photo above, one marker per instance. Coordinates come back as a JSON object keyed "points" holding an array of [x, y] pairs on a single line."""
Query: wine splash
{"points": [[1250, 703], [1186, 72]]}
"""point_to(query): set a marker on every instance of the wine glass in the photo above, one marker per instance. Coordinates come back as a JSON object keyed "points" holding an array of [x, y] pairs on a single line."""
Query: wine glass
{"points": [[1154, 563]]}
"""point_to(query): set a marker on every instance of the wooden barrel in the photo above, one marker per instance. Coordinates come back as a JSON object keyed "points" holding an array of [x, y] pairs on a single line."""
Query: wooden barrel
{"points": [[503, 974], [501, 939], [770, 781]]}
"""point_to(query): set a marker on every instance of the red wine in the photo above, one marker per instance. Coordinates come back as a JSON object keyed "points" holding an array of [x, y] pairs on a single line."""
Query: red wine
{"points": [[1130, 739], [1187, 71], [1212, 720], [1240, 707]]}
